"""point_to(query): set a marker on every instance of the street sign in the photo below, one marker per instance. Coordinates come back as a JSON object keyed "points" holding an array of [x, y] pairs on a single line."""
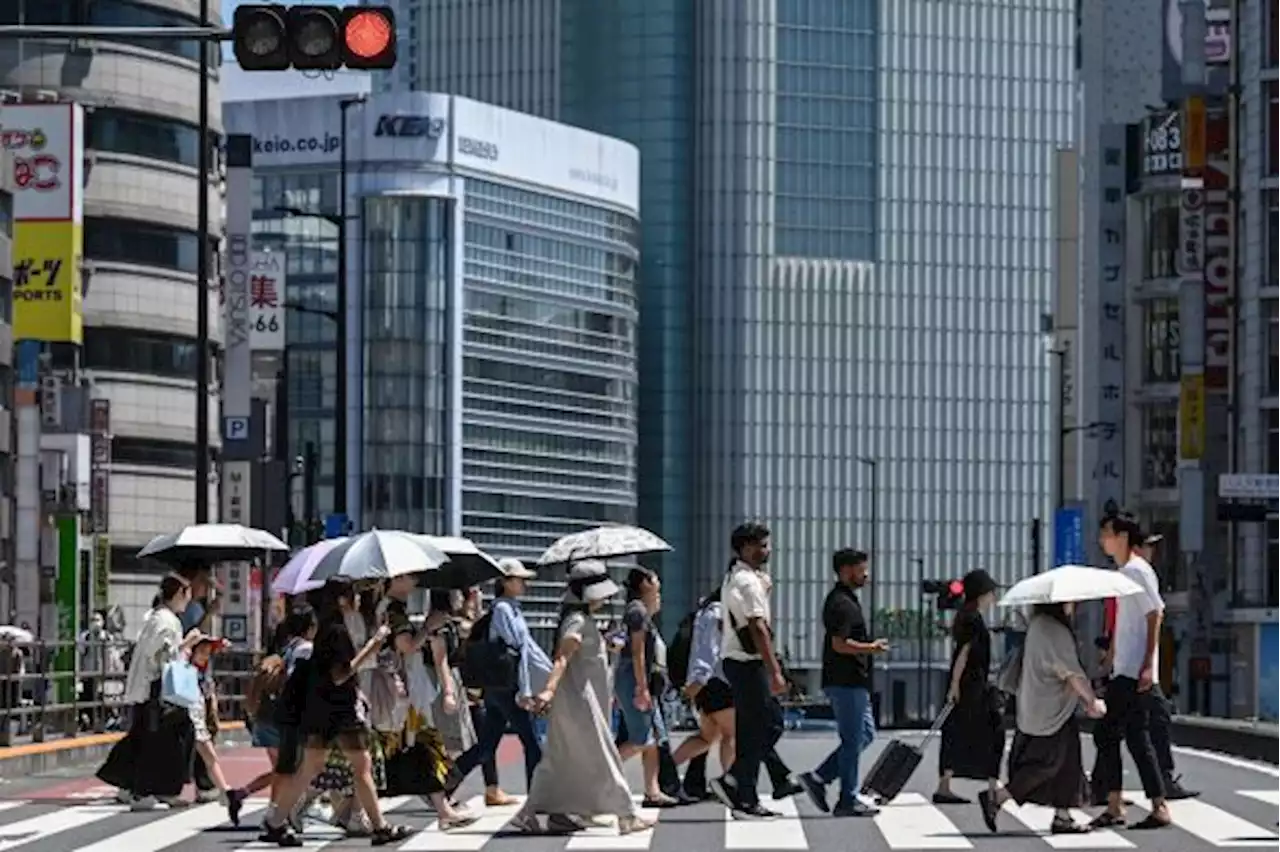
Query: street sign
{"points": [[1068, 536], [235, 628], [335, 525], [1249, 486], [235, 428]]}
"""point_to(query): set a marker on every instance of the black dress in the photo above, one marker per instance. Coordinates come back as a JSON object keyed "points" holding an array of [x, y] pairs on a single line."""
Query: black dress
{"points": [[973, 736], [333, 715], [155, 756]]}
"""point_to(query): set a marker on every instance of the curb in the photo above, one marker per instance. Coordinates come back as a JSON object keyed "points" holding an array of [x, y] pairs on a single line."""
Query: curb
{"points": [[38, 758]]}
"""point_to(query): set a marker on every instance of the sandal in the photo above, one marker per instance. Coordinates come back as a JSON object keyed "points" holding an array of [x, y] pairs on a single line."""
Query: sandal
{"points": [[525, 823], [499, 800], [662, 800], [390, 834], [1106, 819], [564, 824], [1068, 826], [1151, 823], [461, 820], [634, 824]]}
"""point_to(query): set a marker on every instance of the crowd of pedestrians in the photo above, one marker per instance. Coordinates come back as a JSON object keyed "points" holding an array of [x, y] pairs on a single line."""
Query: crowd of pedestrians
{"points": [[361, 699]]}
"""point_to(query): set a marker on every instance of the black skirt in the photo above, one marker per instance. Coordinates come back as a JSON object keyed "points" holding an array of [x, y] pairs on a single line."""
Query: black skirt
{"points": [[1048, 770], [155, 756], [973, 736]]}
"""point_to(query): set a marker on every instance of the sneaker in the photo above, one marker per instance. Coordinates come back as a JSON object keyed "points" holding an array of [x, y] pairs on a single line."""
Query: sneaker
{"points": [[816, 790], [124, 797], [786, 790], [143, 803], [725, 789], [754, 812], [854, 809], [281, 835]]}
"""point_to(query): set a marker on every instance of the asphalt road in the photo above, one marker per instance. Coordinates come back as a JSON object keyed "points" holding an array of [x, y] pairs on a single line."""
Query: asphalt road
{"points": [[72, 812]]}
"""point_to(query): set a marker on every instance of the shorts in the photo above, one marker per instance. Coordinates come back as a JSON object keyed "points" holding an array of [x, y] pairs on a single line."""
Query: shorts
{"points": [[643, 727], [343, 739], [714, 697], [266, 734], [289, 752]]}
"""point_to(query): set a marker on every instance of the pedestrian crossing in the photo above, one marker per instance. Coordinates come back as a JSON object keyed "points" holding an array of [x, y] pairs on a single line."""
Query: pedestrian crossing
{"points": [[911, 823]]}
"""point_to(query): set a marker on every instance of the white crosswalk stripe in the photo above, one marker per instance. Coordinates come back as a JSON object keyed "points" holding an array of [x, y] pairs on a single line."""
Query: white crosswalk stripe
{"points": [[909, 824]]}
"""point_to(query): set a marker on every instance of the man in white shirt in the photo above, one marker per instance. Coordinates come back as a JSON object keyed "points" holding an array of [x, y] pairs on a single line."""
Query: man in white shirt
{"points": [[753, 671], [1135, 670]]}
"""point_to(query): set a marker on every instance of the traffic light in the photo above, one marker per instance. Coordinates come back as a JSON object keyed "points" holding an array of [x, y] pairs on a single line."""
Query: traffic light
{"points": [[273, 37], [948, 594]]}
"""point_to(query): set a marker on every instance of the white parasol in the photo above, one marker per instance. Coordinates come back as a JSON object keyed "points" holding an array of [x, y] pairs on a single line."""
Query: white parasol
{"points": [[378, 555], [603, 543], [1069, 584], [210, 543]]}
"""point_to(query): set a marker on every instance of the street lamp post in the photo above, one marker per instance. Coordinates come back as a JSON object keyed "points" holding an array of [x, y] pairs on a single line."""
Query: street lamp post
{"points": [[1060, 427], [340, 351], [874, 464]]}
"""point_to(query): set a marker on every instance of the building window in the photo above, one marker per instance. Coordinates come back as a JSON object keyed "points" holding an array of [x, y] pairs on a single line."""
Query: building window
{"points": [[1273, 347], [143, 243], [153, 453], [1160, 232], [1160, 445], [125, 132], [130, 351], [1273, 441], [1162, 355]]}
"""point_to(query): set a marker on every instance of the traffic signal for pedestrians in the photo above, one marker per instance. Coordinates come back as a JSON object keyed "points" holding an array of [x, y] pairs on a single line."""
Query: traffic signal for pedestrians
{"points": [[273, 37], [948, 594]]}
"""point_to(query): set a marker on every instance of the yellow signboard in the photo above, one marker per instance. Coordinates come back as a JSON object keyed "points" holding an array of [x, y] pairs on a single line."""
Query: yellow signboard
{"points": [[1191, 425], [47, 297]]}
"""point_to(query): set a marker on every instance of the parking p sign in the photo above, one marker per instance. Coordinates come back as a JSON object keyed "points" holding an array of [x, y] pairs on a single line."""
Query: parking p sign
{"points": [[235, 428]]}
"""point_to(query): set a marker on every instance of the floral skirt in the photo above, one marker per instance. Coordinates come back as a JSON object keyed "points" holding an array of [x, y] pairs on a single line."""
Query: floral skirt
{"points": [[337, 778], [417, 763]]}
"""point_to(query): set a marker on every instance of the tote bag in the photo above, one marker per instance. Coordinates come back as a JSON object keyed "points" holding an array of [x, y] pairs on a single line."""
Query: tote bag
{"points": [[180, 685]]}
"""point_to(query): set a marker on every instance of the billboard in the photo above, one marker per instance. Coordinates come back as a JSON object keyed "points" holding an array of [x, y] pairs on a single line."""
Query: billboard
{"points": [[418, 129], [1162, 144], [1216, 57], [266, 302], [48, 300], [46, 142]]}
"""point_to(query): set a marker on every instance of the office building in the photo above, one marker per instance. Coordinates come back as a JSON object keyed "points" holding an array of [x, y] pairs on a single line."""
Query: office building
{"points": [[494, 327], [140, 243], [847, 251]]}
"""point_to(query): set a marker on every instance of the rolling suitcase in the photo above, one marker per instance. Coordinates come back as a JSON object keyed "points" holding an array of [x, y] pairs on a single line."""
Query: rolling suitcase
{"points": [[893, 769]]}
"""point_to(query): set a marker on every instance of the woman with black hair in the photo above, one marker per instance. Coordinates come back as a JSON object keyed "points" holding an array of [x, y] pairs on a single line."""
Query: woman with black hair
{"points": [[642, 720], [153, 762], [580, 773], [1045, 765], [973, 735]]}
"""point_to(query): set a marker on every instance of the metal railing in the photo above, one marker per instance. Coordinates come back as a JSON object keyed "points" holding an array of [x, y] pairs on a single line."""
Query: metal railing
{"points": [[53, 690]]}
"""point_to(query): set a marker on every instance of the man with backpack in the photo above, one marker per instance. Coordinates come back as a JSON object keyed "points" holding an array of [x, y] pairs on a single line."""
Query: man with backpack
{"points": [[502, 659]]}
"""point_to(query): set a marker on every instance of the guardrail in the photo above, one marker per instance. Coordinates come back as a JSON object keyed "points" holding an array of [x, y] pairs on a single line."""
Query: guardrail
{"points": [[64, 689]]}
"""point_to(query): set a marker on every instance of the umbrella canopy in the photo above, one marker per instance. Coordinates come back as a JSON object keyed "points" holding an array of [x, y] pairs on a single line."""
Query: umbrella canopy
{"points": [[603, 543], [295, 577], [209, 543], [17, 635], [378, 555], [468, 565], [1069, 584]]}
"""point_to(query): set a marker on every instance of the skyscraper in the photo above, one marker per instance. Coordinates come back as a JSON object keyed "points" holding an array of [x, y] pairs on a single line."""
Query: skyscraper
{"points": [[847, 252]]}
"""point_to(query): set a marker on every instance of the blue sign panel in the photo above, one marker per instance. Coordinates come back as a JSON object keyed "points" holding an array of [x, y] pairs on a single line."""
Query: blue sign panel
{"points": [[1068, 536], [29, 364], [235, 428], [335, 525]]}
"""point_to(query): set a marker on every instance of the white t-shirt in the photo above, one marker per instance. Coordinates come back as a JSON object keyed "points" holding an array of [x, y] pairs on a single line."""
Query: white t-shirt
{"points": [[745, 595], [1131, 621]]}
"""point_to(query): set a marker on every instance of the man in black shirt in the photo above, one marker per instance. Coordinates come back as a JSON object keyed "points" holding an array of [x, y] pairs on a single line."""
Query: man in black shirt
{"points": [[846, 679]]}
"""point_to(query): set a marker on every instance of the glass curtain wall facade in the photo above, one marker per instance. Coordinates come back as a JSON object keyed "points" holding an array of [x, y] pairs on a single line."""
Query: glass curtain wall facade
{"points": [[549, 381], [628, 72], [975, 100], [406, 280], [310, 248]]}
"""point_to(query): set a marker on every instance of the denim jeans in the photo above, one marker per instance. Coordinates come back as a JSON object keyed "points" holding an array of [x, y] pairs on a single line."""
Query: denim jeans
{"points": [[857, 729], [501, 711]]}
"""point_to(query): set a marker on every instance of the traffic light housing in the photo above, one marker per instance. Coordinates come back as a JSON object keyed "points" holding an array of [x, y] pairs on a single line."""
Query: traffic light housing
{"points": [[273, 37], [947, 594]]}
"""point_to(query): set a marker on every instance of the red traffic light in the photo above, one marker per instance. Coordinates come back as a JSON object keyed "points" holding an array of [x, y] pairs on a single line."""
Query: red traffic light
{"points": [[369, 37], [956, 587]]}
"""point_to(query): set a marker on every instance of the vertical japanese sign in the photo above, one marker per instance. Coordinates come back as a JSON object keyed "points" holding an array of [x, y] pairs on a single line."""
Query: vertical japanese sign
{"points": [[1108, 472], [237, 361], [101, 572], [1218, 263], [100, 465], [266, 302], [46, 142], [235, 491]]}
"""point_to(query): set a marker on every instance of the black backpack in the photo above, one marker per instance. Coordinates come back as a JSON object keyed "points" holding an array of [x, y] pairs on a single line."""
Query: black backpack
{"points": [[488, 663], [681, 647]]}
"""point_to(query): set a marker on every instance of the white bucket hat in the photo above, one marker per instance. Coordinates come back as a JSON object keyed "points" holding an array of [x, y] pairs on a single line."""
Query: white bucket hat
{"points": [[589, 582], [512, 567]]}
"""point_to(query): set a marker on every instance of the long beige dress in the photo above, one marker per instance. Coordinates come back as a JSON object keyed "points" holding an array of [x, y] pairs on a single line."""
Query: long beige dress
{"points": [[581, 772]]}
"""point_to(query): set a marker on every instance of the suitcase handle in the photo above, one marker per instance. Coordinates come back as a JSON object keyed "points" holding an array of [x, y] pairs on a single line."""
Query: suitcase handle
{"points": [[937, 724]]}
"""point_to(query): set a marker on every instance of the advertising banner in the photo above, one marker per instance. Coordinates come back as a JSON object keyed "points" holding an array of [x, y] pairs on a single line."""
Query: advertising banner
{"points": [[1218, 235], [1162, 144], [100, 465], [101, 572], [1108, 472], [1191, 419], [266, 302], [47, 144], [237, 359], [47, 295]]}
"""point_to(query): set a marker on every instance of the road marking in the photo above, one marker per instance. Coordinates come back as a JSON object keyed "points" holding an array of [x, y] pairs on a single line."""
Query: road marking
{"points": [[776, 835], [1228, 760], [1039, 818], [48, 824], [1270, 797], [912, 822], [605, 838], [472, 838], [1215, 826], [10, 804], [182, 826]]}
